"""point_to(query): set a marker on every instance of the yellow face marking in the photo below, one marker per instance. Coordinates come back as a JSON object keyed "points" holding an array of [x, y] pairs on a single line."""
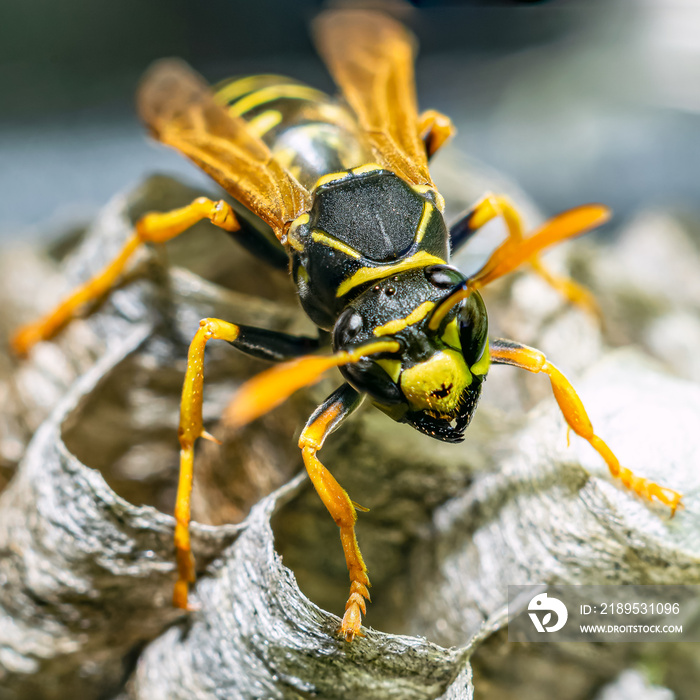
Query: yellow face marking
{"points": [[482, 366], [424, 219], [436, 384], [368, 168], [234, 90], [274, 92], [368, 274], [451, 335], [331, 177], [399, 324], [391, 367], [322, 237], [261, 124]]}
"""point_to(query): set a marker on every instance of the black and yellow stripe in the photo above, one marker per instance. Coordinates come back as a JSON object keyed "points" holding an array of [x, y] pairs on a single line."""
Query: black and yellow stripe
{"points": [[308, 132]]}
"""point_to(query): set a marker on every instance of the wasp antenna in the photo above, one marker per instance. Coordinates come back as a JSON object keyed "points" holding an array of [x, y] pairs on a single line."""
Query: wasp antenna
{"points": [[457, 294], [270, 388], [513, 253]]}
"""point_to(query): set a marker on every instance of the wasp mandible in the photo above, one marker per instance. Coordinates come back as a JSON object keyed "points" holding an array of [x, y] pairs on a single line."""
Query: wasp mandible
{"points": [[346, 189]]}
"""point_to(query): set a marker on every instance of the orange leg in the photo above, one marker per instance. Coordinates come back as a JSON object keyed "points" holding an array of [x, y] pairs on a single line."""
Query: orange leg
{"points": [[253, 341], [510, 353], [492, 206], [190, 429], [435, 129], [151, 228], [335, 498]]}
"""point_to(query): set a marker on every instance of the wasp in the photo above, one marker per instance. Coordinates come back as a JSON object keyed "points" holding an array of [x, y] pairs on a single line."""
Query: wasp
{"points": [[345, 187]]}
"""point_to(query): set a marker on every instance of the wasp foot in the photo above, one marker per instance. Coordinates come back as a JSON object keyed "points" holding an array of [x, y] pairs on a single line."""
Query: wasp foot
{"points": [[650, 490], [355, 608]]}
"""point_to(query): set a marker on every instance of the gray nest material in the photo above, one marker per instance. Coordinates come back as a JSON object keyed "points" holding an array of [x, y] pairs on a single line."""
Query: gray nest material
{"points": [[87, 562]]}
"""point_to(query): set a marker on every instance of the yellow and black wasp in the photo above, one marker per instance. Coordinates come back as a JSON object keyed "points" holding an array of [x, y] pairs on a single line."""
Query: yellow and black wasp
{"points": [[346, 190]]}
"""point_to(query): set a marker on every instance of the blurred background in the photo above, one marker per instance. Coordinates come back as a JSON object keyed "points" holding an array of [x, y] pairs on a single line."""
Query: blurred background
{"points": [[577, 100], [574, 100]]}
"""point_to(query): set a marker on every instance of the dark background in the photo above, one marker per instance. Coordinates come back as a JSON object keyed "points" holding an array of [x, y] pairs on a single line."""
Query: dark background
{"points": [[578, 100]]}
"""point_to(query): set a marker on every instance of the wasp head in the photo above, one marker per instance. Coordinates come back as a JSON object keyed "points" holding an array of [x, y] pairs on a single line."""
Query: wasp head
{"points": [[433, 383]]}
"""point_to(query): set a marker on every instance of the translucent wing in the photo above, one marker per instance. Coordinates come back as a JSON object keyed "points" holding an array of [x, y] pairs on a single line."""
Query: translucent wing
{"points": [[370, 56], [180, 110]]}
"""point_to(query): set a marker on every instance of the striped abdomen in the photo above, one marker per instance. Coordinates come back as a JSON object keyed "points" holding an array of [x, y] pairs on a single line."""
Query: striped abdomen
{"points": [[307, 131]]}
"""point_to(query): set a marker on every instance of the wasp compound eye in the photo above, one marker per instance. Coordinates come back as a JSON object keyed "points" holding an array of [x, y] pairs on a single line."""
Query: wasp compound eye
{"points": [[473, 327], [443, 276], [347, 328], [372, 379]]}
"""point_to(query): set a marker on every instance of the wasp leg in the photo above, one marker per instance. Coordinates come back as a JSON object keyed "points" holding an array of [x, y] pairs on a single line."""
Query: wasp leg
{"points": [[264, 247], [492, 206], [435, 129], [324, 420], [253, 341], [506, 352], [155, 227]]}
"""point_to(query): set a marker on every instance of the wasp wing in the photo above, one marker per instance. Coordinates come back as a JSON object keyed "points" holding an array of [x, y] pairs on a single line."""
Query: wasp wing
{"points": [[371, 57], [179, 108]]}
